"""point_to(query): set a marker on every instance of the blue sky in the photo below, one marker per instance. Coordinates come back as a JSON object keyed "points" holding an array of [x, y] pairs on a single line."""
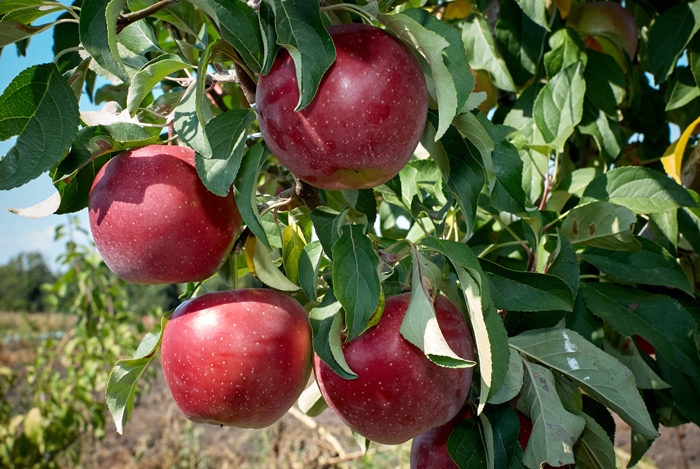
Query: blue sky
{"points": [[20, 234]]}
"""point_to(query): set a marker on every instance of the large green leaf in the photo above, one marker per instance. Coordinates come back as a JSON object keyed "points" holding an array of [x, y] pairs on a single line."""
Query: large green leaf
{"points": [[689, 223], [267, 271], [564, 263], [150, 75], [465, 445], [39, 107], [653, 265], [188, 125], [605, 131], [227, 134], [594, 449], [514, 380], [554, 429], [326, 325], [669, 35], [443, 47], [98, 19], [659, 319], [624, 349], [640, 189], [603, 225], [300, 30], [13, 31], [139, 38], [598, 374], [536, 10], [323, 218], [605, 82], [355, 279], [245, 190], [124, 377], [473, 130], [420, 325], [309, 263], [483, 53], [239, 27], [512, 290], [501, 427], [567, 49], [559, 106]]}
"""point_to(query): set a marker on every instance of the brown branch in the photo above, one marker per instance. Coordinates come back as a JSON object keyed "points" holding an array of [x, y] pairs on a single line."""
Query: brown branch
{"points": [[246, 83], [125, 20]]}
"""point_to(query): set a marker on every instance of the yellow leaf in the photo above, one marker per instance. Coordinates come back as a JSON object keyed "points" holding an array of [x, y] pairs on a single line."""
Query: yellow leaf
{"points": [[457, 9], [250, 253], [563, 6], [673, 157], [292, 244]]}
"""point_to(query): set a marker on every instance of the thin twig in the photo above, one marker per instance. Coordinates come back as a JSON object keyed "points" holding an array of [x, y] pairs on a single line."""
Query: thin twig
{"points": [[125, 20]]}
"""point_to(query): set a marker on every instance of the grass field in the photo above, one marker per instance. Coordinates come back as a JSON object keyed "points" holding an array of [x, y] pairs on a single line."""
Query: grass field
{"points": [[158, 436]]}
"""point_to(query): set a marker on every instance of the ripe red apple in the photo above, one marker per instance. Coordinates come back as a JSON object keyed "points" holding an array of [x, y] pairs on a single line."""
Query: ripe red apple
{"points": [[644, 346], [525, 430], [429, 450], [365, 120], [399, 393], [484, 83], [154, 221], [238, 358], [594, 21]]}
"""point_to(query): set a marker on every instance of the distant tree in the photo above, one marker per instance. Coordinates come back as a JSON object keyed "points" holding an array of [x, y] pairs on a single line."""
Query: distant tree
{"points": [[20, 283]]}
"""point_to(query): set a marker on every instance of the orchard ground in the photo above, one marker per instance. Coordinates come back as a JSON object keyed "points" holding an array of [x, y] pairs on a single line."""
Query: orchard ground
{"points": [[161, 437]]}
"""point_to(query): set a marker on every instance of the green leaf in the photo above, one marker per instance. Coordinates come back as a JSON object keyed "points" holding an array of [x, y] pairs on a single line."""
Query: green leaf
{"points": [[187, 124], [266, 270], [554, 429], [520, 40], [465, 445], [605, 82], [124, 377], [536, 10], [584, 323], [512, 290], [653, 265], [443, 47], [309, 263], [39, 107], [624, 349], [689, 223], [606, 132], [75, 191], [489, 332], [311, 401], [684, 389], [292, 244], [564, 263], [239, 27], [684, 89], [322, 218], [365, 203], [661, 320], [227, 134], [577, 181], [149, 76], [245, 188], [266, 19], [483, 52], [300, 30], [139, 38], [567, 49], [559, 106], [598, 374], [501, 427], [13, 31], [473, 130], [98, 19], [640, 189], [668, 37], [420, 326], [664, 226], [513, 383], [326, 326], [603, 225], [182, 15], [355, 279], [594, 449], [535, 164], [507, 194]]}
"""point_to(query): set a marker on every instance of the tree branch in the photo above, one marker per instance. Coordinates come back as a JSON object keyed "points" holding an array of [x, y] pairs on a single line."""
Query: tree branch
{"points": [[247, 85], [125, 20]]}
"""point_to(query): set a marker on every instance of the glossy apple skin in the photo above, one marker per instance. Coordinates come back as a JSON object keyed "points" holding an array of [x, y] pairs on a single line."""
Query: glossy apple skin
{"points": [[605, 17], [238, 358], [429, 450], [364, 122], [154, 221], [399, 393]]}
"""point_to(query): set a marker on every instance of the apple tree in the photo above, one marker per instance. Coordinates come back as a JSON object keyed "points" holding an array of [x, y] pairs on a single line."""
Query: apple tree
{"points": [[457, 192]]}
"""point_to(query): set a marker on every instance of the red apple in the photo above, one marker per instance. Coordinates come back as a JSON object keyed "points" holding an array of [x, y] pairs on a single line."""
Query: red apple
{"points": [[399, 393], [365, 120], [154, 221], [429, 450], [525, 430], [238, 358], [600, 18], [644, 346]]}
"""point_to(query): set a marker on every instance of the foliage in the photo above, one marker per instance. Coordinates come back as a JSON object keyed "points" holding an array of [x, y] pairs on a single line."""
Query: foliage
{"points": [[20, 283], [562, 225]]}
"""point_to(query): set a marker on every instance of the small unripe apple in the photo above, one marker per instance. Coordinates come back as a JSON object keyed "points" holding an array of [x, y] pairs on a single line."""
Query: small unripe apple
{"points": [[238, 358], [484, 83], [600, 18], [364, 122], [399, 393], [154, 221], [429, 450]]}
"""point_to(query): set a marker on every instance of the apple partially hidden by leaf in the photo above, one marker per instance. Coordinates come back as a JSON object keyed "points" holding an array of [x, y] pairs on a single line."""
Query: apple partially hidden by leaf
{"points": [[363, 124], [238, 358], [399, 393], [429, 450], [154, 221]]}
